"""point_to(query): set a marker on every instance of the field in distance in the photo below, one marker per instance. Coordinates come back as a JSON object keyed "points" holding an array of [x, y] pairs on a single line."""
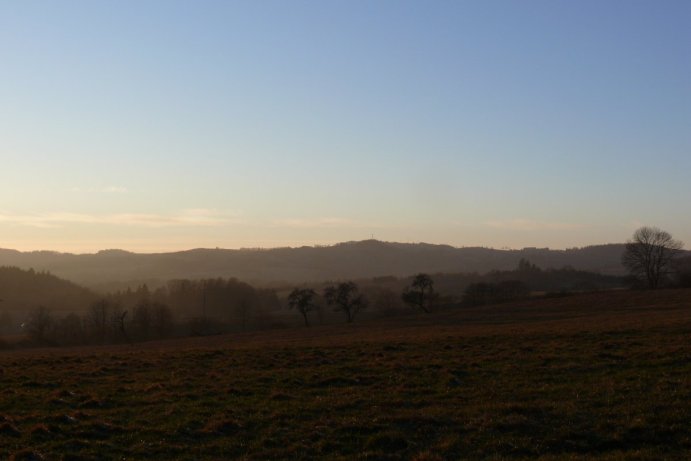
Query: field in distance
{"points": [[601, 375]]}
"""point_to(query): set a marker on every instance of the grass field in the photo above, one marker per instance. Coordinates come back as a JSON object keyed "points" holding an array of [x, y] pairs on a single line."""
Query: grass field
{"points": [[604, 376]]}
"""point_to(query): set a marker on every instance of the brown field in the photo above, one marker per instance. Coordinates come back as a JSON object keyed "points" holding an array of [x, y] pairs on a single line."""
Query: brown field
{"points": [[596, 376]]}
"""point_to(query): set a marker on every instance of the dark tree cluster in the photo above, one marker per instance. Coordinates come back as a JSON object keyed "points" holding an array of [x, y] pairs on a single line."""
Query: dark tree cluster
{"points": [[206, 306], [104, 322], [21, 291], [391, 295], [347, 299], [180, 308]]}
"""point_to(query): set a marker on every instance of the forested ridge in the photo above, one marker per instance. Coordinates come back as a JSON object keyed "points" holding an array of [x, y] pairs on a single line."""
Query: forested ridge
{"points": [[111, 270]]}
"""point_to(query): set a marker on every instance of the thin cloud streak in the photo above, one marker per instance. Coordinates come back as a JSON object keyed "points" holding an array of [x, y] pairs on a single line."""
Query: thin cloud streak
{"points": [[103, 190], [184, 218], [324, 222], [521, 224], [115, 190]]}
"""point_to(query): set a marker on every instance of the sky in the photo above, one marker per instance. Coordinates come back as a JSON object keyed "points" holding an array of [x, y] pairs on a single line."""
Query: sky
{"points": [[168, 125]]}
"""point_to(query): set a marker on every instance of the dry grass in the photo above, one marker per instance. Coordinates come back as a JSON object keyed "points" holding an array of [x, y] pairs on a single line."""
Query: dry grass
{"points": [[604, 376]]}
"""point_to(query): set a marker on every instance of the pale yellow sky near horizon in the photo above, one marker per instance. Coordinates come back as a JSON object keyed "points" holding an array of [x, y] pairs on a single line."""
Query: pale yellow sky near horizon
{"points": [[160, 237]]}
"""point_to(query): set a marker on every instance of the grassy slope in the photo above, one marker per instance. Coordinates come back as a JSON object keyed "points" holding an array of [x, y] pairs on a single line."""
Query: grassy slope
{"points": [[604, 376]]}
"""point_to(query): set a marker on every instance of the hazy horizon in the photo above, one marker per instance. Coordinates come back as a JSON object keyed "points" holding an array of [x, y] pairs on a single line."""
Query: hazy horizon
{"points": [[314, 245], [165, 126]]}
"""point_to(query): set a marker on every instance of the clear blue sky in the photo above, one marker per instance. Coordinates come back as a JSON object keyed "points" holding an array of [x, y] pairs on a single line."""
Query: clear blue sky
{"points": [[164, 125]]}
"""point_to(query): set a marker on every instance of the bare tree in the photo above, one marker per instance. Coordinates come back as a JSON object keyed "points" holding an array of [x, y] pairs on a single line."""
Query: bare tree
{"points": [[242, 309], [420, 293], [161, 320], [70, 330], [649, 254], [345, 298], [302, 299], [106, 320], [142, 319], [39, 324], [98, 315], [119, 324]]}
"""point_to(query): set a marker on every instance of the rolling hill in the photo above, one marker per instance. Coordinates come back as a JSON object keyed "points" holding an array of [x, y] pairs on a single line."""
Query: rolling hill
{"points": [[23, 290], [370, 258]]}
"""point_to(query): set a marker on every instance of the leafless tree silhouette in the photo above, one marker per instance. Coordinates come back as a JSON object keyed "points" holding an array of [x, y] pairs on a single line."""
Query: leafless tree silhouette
{"points": [[39, 323], [649, 254], [345, 298], [302, 299], [420, 292]]}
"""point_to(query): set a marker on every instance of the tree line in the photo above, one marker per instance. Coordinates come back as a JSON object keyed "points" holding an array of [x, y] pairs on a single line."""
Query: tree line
{"points": [[179, 308], [213, 306]]}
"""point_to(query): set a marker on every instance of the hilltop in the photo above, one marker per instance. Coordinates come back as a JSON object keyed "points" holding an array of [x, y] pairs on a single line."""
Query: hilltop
{"points": [[24, 290], [364, 259]]}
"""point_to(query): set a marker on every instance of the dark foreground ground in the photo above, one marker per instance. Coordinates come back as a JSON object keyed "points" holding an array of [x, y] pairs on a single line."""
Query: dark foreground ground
{"points": [[603, 376]]}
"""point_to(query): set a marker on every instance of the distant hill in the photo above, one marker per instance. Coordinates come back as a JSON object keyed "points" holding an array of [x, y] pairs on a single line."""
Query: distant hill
{"points": [[23, 290], [111, 269]]}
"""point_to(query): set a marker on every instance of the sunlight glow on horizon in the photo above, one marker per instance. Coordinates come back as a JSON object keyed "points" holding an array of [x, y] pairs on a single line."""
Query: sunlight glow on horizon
{"points": [[144, 234]]}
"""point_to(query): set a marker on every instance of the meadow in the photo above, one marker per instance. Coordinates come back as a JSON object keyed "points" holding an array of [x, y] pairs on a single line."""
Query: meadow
{"points": [[595, 376]]}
